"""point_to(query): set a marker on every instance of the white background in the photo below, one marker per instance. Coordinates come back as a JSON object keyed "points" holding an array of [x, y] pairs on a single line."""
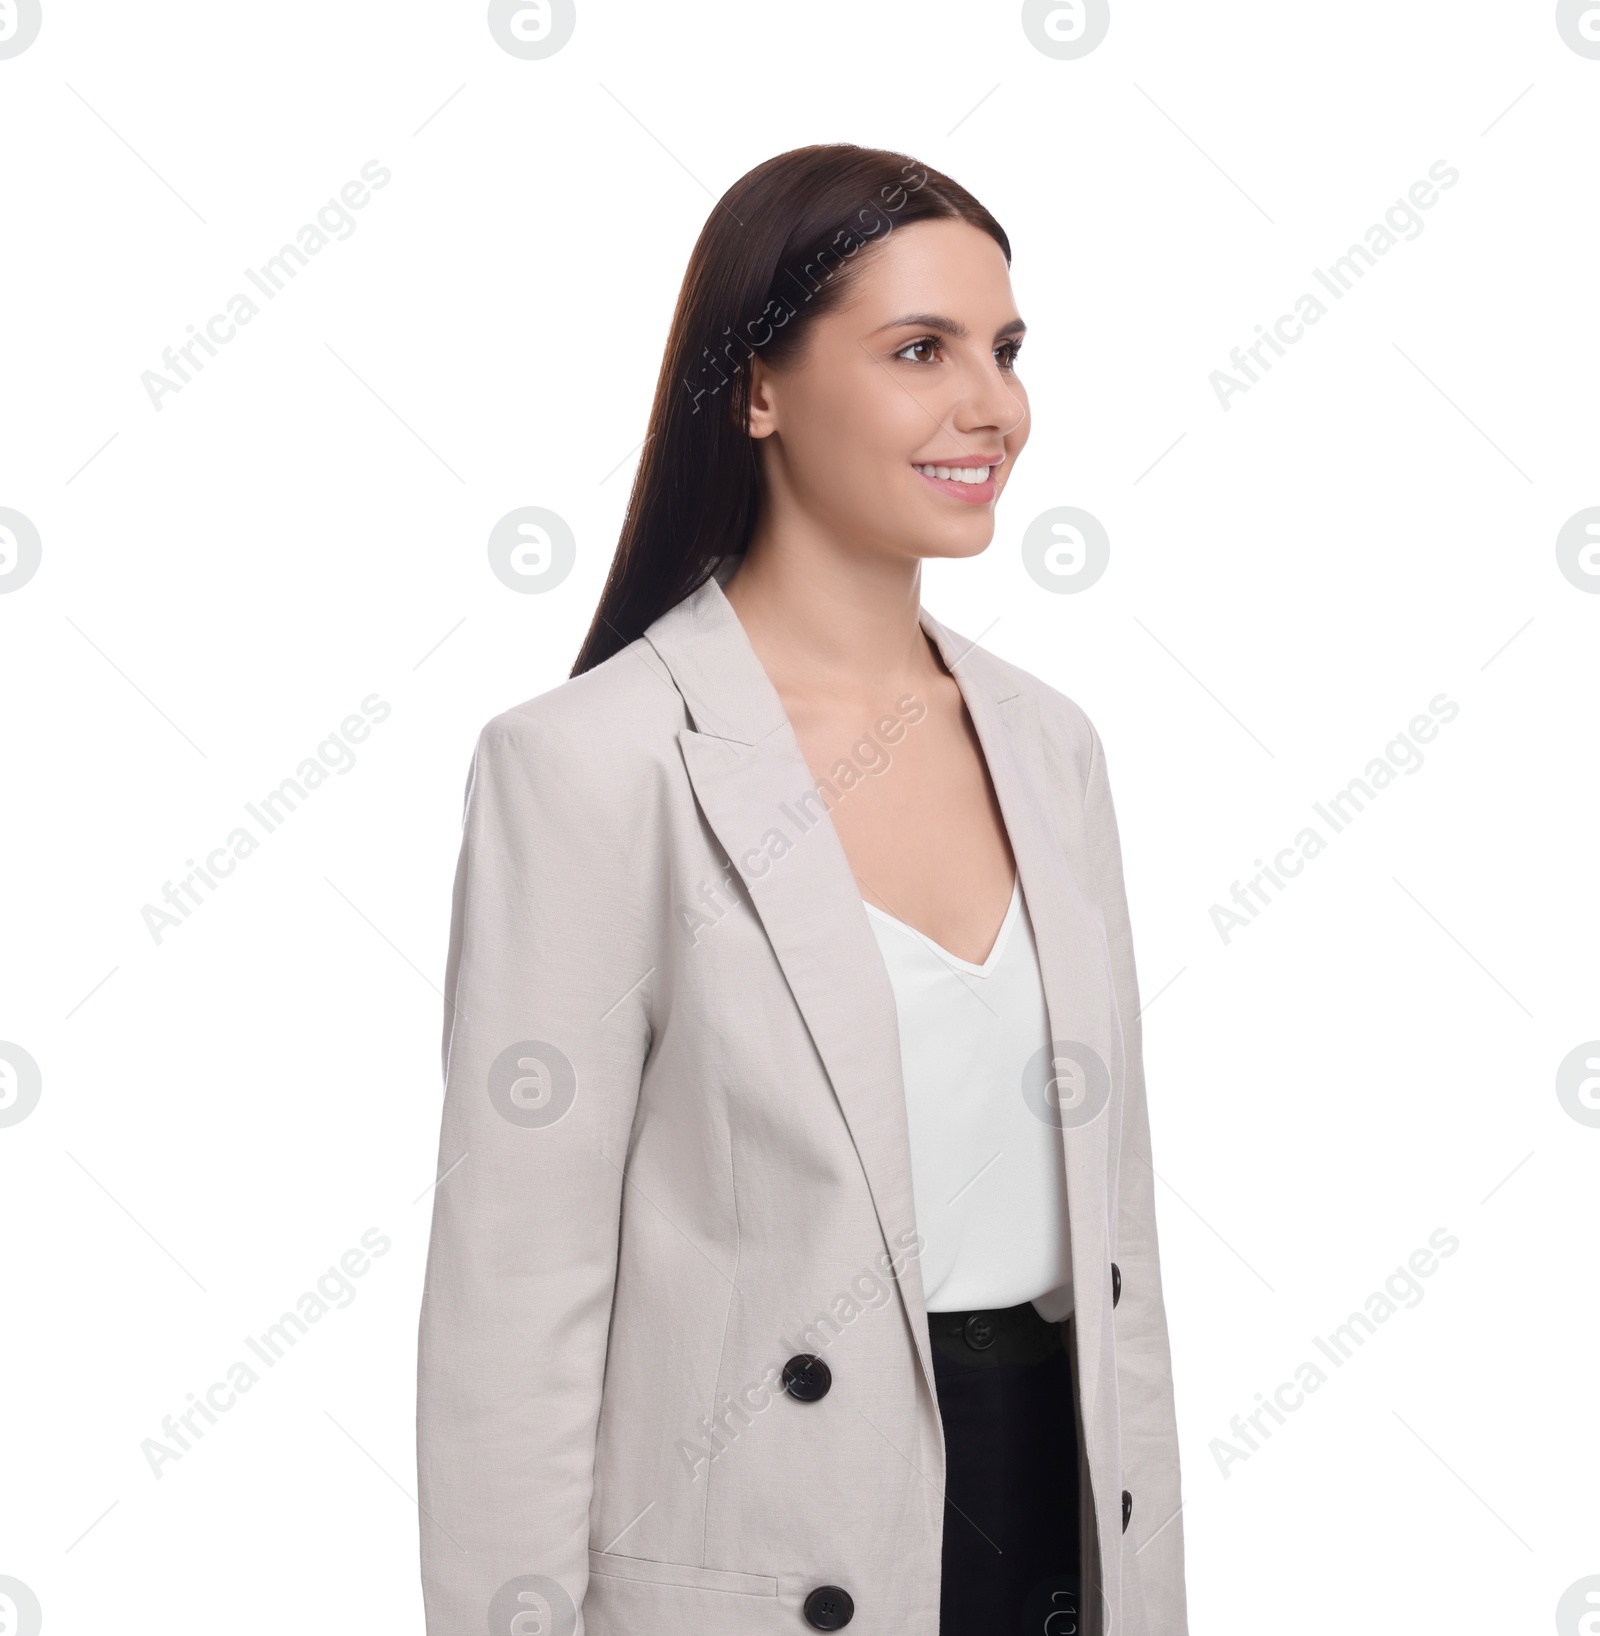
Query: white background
{"points": [[1292, 579]]}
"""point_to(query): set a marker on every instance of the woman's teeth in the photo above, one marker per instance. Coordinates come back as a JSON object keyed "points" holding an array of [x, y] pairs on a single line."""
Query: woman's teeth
{"points": [[957, 474]]}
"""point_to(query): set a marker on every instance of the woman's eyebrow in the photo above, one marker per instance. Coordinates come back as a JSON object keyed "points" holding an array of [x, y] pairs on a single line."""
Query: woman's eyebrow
{"points": [[951, 326]]}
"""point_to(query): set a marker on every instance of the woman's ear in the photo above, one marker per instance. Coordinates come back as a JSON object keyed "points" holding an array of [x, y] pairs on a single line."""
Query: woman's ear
{"points": [[762, 418]]}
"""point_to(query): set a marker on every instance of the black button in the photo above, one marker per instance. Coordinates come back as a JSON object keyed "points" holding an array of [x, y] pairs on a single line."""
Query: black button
{"points": [[807, 1377], [1116, 1283], [829, 1608], [980, 1331], [1127, 1509]]}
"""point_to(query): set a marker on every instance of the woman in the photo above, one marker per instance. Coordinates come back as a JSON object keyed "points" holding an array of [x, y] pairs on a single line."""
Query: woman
{"points": [[794, 1259]]}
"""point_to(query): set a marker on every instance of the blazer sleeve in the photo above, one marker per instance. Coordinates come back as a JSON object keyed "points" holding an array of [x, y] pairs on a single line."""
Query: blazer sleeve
{"points": [[1153, 1568], [544, 1043]]}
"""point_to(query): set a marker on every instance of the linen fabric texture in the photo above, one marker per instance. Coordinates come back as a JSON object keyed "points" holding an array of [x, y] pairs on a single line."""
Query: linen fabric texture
{"points": [[674, 1155]]}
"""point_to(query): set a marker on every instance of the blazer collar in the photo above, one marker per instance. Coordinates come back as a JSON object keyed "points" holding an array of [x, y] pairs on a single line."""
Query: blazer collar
{"points": [[752, 783], [729, 694]]}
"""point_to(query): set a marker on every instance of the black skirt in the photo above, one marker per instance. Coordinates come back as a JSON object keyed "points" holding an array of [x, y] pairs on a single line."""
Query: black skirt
{"points": [[1010, 1561]]}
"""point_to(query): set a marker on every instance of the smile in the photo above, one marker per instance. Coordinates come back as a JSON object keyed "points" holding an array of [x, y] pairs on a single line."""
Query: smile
{"points": [[974, 484]]}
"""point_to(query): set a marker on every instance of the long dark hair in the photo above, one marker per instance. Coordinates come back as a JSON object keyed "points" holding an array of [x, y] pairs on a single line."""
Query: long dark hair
{"points": [[778, 250]]}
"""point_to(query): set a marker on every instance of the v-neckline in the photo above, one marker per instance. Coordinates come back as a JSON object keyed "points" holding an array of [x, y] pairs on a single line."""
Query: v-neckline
{"points": [[996, 950]]}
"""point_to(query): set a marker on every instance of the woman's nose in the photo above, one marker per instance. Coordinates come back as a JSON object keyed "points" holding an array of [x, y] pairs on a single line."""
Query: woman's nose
{"points": [[983, 399]]}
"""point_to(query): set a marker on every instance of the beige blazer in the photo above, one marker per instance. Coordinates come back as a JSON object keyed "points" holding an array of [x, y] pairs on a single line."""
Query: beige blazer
{"points": [[674, 1158]]}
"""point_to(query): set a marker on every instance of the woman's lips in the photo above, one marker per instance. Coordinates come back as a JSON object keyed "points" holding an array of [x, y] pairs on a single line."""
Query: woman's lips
{"points": [[975, 494]]}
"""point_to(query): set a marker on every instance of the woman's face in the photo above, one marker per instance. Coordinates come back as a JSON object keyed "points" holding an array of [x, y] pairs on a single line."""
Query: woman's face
{"points": [[915, 370]]}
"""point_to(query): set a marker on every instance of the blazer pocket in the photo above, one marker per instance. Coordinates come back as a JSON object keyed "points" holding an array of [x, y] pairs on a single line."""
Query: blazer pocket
{"points": [[684, 1575]]}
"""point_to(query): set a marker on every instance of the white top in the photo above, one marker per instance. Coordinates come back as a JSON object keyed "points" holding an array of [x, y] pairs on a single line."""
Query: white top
{"points": [[988, 1175]]}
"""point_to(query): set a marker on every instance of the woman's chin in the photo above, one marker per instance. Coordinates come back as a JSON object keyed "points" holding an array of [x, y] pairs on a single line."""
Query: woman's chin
{"points": [[974, 544]]}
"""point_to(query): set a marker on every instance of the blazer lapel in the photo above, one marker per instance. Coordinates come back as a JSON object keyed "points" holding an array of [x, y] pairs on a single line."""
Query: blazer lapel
{"points": [[757, 793], [759, 797], [1074, 960]]}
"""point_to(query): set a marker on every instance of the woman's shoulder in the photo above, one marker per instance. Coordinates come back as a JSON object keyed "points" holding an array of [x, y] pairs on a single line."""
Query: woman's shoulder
{"points": [[624, 714], [1064, 723]]}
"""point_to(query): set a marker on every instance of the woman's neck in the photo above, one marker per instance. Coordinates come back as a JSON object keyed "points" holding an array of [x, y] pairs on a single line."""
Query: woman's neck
{"points": [[825, 621]]}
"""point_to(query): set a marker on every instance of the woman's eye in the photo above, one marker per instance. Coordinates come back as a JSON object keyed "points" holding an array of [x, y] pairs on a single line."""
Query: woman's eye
{"points": [[921, 351], [929, 341]]}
